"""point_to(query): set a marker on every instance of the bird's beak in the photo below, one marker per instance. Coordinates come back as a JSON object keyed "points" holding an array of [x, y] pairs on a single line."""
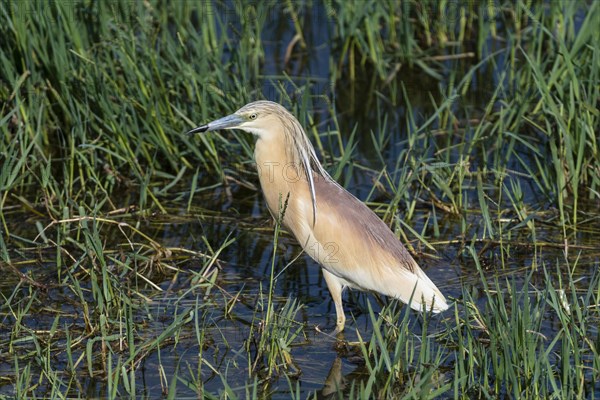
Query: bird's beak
{"points": [[228, 122]]}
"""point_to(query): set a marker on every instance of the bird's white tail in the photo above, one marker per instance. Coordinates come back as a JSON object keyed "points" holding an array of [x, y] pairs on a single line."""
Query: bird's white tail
{"points": [[416, 290]]}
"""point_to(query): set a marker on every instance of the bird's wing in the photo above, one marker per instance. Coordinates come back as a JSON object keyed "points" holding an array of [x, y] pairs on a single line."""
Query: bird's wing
{"points": [[354, 244]]}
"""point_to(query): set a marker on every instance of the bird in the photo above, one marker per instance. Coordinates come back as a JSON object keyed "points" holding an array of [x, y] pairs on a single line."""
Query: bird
{"points": [[354, 247]]}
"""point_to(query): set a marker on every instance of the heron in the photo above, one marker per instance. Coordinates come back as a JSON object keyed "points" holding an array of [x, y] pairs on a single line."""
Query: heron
{"points": [[354, 247]]}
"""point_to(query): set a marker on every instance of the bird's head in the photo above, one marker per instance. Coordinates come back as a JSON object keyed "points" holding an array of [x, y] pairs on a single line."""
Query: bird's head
{"points": [[261, 118], [271, 122]]}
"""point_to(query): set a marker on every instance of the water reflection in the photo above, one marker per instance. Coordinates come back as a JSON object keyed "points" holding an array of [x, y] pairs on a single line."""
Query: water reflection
{"points": [[335, 383]]}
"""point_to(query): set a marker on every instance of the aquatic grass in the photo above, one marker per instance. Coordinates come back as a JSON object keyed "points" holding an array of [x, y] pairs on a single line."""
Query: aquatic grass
{"points": [[151, 126], [560, 100], [399, 42], [506, 339], [397, 361], [102, 133], [270, 352], [108, 298]]}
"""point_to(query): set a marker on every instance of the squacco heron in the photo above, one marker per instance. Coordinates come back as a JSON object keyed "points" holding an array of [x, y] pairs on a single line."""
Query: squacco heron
{"points": [[355, 247]]}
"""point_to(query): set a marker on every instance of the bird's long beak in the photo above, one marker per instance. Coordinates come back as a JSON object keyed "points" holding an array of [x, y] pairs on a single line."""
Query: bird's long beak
{"points": [[228, 122]]}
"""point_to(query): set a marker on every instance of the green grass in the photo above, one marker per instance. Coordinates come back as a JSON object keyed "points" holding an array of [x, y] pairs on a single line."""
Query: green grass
{"points": [[471, 128], [496, 351]]}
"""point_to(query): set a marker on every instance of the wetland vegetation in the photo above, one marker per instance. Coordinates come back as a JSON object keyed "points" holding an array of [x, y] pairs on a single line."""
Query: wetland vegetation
{"points": [[139, 262]]}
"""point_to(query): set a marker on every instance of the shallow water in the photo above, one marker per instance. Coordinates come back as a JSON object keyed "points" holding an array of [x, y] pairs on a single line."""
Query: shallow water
{"points": [[244, 268]]}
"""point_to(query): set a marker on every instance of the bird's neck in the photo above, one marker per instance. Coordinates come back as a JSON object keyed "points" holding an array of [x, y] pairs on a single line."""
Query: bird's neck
{"points": [[279, 176], [274, 163]]}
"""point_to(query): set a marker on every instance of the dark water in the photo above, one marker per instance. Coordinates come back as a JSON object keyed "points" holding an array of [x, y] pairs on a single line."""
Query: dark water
{"points": [[244, 268]]}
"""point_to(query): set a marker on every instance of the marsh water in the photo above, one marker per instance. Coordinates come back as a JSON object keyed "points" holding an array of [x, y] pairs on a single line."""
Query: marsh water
{"points": [[233, 219], [243, 270]]}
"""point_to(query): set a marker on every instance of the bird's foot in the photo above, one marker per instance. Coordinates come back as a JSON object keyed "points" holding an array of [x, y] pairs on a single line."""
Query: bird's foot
{"points": [[337, 333]]}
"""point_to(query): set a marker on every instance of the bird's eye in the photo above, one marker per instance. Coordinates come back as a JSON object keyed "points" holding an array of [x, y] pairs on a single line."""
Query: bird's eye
{"points": [[253, 116]]}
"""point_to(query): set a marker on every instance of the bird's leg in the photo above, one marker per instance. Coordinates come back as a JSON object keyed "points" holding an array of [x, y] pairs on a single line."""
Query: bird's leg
{"points": [[335, 288]]}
